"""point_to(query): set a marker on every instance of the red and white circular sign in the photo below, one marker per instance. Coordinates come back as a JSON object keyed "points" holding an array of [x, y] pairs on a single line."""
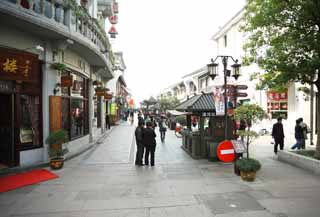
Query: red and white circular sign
{"points": [[225, 151]]}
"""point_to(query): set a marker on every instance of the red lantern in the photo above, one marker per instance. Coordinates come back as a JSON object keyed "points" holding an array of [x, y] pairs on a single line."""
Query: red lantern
{"points": [[113, 32], [113, 19]]}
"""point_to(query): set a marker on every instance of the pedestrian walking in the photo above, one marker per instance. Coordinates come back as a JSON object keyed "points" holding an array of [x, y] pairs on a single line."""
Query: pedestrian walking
{"points": [[153, 122], [298, 134], [139, 141], [149, 141], [278, 135], [162, 128], [108, 121], [306, 130]]}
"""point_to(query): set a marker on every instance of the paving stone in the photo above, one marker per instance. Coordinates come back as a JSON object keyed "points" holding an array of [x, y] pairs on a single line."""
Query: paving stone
{"points": [[247, 214], [230, 202]]}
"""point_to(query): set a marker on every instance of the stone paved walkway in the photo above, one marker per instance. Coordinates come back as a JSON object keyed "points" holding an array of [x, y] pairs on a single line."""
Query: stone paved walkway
{"points": [[104, 182]]}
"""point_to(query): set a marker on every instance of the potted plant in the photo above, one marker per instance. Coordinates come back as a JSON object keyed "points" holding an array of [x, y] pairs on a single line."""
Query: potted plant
{"points": [[250, 114], [59, 66], [56, 151]]}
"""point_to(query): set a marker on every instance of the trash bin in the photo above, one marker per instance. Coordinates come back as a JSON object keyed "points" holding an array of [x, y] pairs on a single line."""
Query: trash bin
{"points": [[212, 150]]}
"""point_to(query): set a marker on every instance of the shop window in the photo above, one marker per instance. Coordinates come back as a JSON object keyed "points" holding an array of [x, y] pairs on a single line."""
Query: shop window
{"points": [[75, 118], [30, 120]]}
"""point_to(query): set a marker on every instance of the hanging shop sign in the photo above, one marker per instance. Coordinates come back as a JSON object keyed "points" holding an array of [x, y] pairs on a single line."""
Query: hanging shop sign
{"points": [[18, 65], [100, 91], [108, 96], [66, 81], [113, 109]]}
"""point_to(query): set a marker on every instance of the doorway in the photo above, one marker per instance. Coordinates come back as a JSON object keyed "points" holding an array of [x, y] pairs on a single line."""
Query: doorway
{"points": [[6, 130]]}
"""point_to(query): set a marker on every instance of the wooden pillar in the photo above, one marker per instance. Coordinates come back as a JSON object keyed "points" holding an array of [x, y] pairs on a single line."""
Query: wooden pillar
{"points": [[201, 134], [189, 122]]}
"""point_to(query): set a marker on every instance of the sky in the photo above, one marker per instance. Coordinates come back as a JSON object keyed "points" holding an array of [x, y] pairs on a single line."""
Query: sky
{"points": [[162, 40]]}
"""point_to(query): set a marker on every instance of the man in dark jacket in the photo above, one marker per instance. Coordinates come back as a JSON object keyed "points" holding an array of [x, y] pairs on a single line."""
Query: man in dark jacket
{"points": [[278, 135], [149, 141], [139, 141], [298, 134]]}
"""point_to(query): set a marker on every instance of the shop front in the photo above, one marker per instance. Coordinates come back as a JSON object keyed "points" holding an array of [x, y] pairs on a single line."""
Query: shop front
{"points": [[20, 105], [74, 105]]}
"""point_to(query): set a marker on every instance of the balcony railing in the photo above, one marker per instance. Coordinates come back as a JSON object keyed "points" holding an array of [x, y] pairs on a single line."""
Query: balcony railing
{"points": [[73, 17]]}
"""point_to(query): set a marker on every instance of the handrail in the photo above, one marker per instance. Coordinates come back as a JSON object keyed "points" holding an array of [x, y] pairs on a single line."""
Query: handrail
{"points": [[74, 17]]}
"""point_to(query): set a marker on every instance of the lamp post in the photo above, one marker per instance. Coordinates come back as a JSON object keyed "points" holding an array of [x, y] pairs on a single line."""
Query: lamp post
{"points": [[213, 72]]}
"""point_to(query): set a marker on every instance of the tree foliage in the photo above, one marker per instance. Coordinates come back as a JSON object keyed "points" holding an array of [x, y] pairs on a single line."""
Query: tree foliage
{"points": [[168, 103], [284, 39], [251, 114]]}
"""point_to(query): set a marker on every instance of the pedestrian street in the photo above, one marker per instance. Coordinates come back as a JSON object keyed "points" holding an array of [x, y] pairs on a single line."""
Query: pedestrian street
{"points": [[104, 182]]}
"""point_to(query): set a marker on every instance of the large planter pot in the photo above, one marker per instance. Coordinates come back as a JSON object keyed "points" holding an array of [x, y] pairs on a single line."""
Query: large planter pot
{"points": [[248, 176], [56, 163]]}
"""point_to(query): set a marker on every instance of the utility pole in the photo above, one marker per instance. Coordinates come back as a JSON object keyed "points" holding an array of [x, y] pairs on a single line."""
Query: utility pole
{"points": [[311, 113]]}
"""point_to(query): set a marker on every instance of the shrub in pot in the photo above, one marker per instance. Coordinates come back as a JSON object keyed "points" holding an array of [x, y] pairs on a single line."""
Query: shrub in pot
{"points": [[250, 114], [56, 151], [248, 168]]}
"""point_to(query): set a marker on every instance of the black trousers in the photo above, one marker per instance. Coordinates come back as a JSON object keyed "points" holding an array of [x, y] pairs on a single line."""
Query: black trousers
{"points": [[139, 154], [276, 143], [150, 149], [162, 135]]}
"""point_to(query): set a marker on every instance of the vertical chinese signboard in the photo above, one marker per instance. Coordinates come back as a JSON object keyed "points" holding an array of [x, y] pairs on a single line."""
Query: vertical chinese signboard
{"points": [[278, 104], [19, 66]]}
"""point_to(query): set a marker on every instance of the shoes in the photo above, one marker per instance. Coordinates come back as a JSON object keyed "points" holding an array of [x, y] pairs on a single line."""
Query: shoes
{"points": [[152, 165]]}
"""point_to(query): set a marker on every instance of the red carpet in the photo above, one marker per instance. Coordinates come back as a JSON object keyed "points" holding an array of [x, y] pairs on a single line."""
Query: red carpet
{"points": [[12, 182]]}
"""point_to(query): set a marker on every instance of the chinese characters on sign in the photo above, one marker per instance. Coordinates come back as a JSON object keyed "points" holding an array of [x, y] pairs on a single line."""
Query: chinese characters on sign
{"points": [[208, 114], [278, 104], [18, 65]]}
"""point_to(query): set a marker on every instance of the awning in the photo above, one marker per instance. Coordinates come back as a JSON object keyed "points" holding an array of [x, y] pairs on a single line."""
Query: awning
{"points": [[198, 103], [177, 113]]}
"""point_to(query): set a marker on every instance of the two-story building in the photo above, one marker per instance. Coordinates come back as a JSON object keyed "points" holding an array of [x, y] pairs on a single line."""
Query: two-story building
{"points": [[50, 52], [291, 104]]}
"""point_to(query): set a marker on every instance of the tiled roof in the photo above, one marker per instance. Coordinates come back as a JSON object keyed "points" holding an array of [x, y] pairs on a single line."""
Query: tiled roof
{"points": [[198, 103]]}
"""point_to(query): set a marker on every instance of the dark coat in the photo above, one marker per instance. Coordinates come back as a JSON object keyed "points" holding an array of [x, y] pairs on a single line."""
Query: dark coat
{"points": [[298, 132], [149, 137], [139, 135], [277, 131]]}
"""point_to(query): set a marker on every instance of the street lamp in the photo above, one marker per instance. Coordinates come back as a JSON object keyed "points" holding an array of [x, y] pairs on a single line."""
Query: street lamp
{"points": [[213, 72]]}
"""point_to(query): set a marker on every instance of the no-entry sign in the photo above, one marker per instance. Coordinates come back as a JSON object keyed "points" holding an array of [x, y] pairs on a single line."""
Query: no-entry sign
{"points": [[225, 151]]}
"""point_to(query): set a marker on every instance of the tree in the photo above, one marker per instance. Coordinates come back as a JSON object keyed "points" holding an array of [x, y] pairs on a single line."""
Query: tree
{"points": [[168, 103], [251, 114], [149, 102], [284, 38]]}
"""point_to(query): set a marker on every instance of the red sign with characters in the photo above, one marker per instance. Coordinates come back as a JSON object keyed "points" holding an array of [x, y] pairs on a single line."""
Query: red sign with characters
{"points": [[225, 151]]}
